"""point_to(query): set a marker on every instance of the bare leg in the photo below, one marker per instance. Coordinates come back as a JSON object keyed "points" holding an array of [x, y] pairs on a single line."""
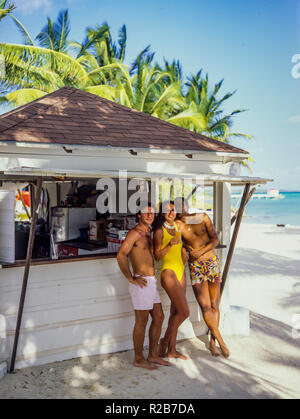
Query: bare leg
{"points": [[180, 310], [202, 295], [154, 334], [141, 318], [214, 293], [163, 345]]}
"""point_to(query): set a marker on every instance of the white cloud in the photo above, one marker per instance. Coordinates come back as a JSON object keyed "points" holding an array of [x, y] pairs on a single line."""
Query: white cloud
{"points": [[29, 6], [294, 119]]}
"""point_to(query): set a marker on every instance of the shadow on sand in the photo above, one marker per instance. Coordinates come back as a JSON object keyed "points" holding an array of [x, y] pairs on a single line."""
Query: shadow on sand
{"points": [[263, 365], [256, 262]]}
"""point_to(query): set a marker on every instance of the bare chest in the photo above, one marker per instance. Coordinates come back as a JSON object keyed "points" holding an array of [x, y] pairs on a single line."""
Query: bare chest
{"points": [[144, 243], [193, 232]]}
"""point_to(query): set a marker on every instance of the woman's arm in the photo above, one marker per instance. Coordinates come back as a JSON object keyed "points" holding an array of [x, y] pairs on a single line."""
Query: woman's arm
{"points": [[159, 253]]}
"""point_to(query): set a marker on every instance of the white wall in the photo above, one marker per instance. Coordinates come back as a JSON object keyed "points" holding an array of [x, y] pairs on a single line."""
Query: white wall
{"points": [[162, 163], [7, 226], [74, 309]]}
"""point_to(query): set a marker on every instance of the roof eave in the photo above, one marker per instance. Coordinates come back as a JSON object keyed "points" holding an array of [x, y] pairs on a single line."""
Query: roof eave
{"points": [[155, 150]]}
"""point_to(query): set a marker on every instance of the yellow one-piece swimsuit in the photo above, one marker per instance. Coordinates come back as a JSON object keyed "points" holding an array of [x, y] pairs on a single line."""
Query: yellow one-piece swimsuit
{"points": [[173, 259]]}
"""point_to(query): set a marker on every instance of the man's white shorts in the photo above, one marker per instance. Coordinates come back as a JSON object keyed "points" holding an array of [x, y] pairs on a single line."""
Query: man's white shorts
{"points": [[143, 298]]}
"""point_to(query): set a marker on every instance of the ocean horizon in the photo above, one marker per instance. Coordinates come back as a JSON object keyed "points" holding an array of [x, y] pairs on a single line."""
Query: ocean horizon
{"points": [[273, 211]]}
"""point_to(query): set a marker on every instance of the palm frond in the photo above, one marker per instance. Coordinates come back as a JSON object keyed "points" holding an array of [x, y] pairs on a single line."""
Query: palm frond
{"points": [[240, 135], [105, 91], [46, 37], [171, 91], [5, 9], [67, 67], [25, 35], [93, 36], [23, 96], [122, 43], [189, 119], [61, 30]]}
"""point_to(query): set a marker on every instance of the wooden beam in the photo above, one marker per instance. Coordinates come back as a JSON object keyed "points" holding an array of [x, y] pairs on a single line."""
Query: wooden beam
{"points": [[24, 205], [234, 236], [26, 272], [248, 198], [31, 190]]}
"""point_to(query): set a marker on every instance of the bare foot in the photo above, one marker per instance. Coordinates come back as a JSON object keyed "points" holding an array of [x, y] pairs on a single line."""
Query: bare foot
{"points": [[159, 361], [225, 351], [214, 350], [144, 364], [162, 348], [177, 354]]}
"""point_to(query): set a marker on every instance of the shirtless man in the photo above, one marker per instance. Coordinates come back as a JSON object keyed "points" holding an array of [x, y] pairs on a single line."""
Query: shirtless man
{"points": [[200, 239], [143, 289]]}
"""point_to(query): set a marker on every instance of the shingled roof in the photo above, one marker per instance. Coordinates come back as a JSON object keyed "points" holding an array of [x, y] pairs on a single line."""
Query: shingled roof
{"points": [[71, 116]]}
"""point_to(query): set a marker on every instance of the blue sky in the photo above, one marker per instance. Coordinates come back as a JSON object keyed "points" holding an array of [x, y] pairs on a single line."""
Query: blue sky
{"points": [[248, 43]]}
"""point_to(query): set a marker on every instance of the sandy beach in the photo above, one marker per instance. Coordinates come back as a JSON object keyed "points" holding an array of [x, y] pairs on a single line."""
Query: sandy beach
{"points": [[264, 277]]}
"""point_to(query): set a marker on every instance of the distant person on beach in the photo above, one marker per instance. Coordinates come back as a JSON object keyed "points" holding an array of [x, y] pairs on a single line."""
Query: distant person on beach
{"points": [[168, 248], [200, 239], [138, 247]]}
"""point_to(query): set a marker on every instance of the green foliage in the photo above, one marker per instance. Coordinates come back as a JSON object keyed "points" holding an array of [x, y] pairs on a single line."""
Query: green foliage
{"points": [[97, 65], [5, 8]]}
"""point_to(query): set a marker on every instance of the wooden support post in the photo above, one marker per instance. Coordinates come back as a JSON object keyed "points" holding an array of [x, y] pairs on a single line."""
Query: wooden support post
{"points": [[248, 198], [234, 236], [31, 191], [26, 273], [58, 194], [222, 216]]}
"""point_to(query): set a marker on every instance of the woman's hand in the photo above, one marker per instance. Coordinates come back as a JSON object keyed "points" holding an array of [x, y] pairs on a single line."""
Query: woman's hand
{"points": [[175, 240]]}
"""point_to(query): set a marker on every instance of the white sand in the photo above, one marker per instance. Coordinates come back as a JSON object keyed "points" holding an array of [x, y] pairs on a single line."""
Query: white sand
{"points": [[265, 277]]}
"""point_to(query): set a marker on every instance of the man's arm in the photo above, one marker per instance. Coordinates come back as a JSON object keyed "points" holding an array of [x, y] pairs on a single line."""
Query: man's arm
{"points": [[122, 258], [184, 255]]}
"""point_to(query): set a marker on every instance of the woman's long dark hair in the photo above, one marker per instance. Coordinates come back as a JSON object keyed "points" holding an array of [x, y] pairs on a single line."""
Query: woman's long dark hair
{"points": [[160, 218]]}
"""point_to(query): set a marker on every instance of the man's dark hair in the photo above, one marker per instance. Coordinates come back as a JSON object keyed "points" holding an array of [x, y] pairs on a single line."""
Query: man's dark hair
{"points": [[147, 205], [182, 199]]}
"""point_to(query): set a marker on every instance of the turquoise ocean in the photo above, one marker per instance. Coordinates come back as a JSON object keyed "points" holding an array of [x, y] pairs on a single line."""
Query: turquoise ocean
{"points": [[273, 211]]}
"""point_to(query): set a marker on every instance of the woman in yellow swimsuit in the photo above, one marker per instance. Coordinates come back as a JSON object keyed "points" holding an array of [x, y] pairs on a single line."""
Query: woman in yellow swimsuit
{"points": [[168, 247]]}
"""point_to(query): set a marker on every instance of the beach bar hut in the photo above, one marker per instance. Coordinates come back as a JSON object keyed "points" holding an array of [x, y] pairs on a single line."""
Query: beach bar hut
{"points": [[55, 308]]}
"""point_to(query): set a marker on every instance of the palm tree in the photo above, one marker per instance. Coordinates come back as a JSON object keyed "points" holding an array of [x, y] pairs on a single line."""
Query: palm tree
{"points": [[54, 35], [143, 87], [203, 112], [33, 71], [98, 67], [98, 41], [99, 50]]}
